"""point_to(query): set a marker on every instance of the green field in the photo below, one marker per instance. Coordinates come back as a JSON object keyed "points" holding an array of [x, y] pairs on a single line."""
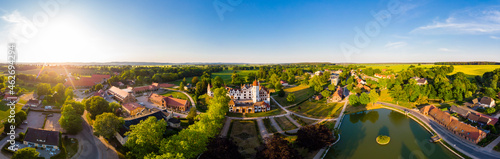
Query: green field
{"points": [[4, 112], [285, 124], [395, 67], [175, 95], [318, 109], [301, 93]]}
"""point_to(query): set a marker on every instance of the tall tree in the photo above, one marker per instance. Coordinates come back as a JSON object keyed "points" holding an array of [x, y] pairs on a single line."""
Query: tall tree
{"points": [[314, 137], [191, 115], [277, 147], [364, 99], [373, 96], [145, 137], [221, 148], [70, 120], [107, 124], [96, 106], [290, 98]]}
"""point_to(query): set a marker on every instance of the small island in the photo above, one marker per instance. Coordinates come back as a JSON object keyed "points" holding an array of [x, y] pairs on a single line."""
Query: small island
{"points": [[383, 140]]}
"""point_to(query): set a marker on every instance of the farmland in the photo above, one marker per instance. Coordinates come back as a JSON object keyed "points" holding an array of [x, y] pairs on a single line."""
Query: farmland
{"points": [[473, 70]]}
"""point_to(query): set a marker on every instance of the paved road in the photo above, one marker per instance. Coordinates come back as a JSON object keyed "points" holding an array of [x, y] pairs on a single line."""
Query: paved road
{"points": [[337, 124], [276, 126], [262, 129], [458, 143], [225, 129], [492, 144], [293, 121]]}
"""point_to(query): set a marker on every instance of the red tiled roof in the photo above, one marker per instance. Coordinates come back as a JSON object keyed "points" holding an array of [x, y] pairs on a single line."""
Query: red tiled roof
{"points": [[86, 81], [175, 101], [132, 106], [166, 85]]}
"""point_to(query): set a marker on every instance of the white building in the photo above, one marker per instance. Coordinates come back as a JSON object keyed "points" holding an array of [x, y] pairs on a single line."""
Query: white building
{"points": [[247, 99]]}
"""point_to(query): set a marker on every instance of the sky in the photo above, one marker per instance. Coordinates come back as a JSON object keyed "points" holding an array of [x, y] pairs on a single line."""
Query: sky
{"points": [[251, 31]]}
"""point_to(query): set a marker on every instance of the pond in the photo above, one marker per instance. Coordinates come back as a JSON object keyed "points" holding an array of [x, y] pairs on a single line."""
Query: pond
{"points": [[409, 140]]}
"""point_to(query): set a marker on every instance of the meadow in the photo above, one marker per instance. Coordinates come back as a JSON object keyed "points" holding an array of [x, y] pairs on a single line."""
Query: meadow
{"points": [[301, 93]]}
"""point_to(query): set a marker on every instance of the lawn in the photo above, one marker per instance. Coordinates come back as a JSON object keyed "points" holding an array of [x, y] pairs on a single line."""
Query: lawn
{"points": [[71, 145], [246, 136], [318, 109], [4, 111], [301, 93], [175, 95], [285, 124], [269, 126]]}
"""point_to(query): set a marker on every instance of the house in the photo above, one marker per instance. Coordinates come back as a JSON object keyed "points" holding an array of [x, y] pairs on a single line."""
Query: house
{"points": [[142, 89], [337, 95], [420, 81], [318, 73], [169, 102], [487, 102], [463, 112], [461, 129], [8, 97], [174, 122], [120, 84], [188, 86], [33, 103], [360, 81], [334, 78], [124, 96], [41, 138], [133, 108], [318, 97], [284, 83], [247, 98]]}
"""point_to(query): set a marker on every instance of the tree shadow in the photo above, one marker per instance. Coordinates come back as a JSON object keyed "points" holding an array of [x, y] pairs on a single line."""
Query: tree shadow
{"points": [[384, 131], [397, 118], [351, 136]]}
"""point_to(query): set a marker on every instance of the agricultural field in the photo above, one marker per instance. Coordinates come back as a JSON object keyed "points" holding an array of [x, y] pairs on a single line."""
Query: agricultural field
{"points": [[318, 109], [284, 123], [175, 95], [395, 67], [475, 70], [246, 136], [301, 93]]}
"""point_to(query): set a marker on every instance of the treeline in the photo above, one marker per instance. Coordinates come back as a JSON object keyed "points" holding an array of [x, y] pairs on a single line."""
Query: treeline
{"points": [[145, 74], [467, 63]]}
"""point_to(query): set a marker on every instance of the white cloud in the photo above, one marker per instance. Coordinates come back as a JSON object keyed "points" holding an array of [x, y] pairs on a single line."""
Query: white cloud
{"points": [[395, 45], [470, 21], [495, 37], [14, 25], [446, 50]]}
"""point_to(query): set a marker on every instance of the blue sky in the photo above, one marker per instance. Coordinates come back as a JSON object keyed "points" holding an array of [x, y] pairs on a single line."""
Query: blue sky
{"points": [[252, 31]]}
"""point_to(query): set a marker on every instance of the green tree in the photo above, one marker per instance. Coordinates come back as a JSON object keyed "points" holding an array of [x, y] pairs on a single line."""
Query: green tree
{"points": [[353, 100], [199, 88], [277, 147], [70, 120], [195, 80], [290, 98], [184, 80], [25, 153], [98, 87], [96, 106], [181, 86], [326, 93], [221, 148], [331, 87], [364, 99], [314, 137], [490, 110], [145, 137], [373, 96], [43, 89], [77, 106], [278, 86], [217, 82], [68, 93], [107, 124], [191, 115]]}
